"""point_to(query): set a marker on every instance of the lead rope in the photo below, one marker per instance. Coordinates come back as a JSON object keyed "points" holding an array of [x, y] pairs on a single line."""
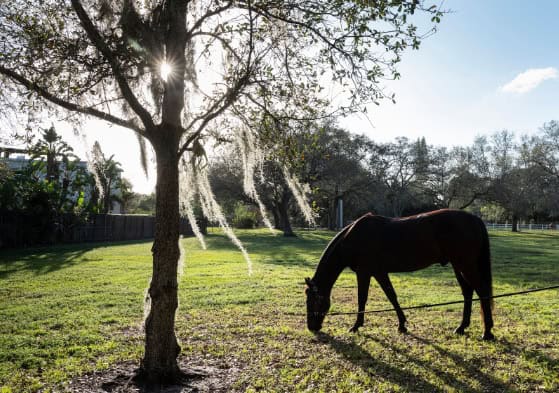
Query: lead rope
{"points": [[439, 304]]}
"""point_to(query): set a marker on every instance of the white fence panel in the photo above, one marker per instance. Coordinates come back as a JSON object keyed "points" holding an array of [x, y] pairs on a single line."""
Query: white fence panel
{"points": [[526, 227]]}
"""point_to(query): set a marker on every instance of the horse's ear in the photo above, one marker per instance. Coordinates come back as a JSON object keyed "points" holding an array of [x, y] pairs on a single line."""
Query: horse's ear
{"points": [[308, 281]]}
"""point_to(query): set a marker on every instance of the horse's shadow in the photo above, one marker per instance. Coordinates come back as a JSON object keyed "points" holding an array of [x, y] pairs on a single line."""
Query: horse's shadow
{"points": [[407, 379], [378, 368], [469, 369]]}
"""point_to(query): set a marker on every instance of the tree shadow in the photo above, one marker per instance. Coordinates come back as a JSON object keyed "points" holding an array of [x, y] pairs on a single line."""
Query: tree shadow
{"points": [[469, 369], [125, 377], [45, 260], [542, 359], [533, 233], [377, 368], [302, 251], [408, 380]]}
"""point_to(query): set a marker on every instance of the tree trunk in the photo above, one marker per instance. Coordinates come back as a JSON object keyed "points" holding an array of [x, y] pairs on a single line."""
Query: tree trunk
{"points": [[514, 223], [277, 219], [332, 214], [159, 364], [107, 199], [161, 347], [284, 214]]}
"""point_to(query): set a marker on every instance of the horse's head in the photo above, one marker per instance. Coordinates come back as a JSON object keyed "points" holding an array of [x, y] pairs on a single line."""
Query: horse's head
{"points": [[317, 306]]}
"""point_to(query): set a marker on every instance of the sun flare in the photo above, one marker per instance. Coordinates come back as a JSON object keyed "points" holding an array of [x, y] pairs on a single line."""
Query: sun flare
{"points": [[165, 70]]}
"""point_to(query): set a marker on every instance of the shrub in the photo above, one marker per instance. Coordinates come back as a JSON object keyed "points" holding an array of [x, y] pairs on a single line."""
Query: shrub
{"points": [[244, 217]]}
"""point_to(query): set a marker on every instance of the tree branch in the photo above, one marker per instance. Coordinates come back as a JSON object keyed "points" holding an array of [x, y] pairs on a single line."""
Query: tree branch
{"points": [[100, 44], [228, 98], [42, 92], [207, 15], [218, 107]]}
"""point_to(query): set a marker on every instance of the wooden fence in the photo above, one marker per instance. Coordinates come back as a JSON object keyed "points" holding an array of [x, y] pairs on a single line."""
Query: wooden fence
{"points": [[20, 230]]}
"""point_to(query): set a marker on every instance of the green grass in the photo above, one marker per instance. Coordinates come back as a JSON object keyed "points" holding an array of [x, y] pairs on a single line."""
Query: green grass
{"points": [[66, 311]]}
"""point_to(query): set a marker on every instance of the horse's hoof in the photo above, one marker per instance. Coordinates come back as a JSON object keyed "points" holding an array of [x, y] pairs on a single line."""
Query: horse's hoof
{"points": [[459, 330], [488, 336], [354, 329], [402, 329]]}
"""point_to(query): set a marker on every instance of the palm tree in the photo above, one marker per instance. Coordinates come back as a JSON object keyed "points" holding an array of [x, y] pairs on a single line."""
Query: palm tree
{"points": [[107, 173], [54, 149], [126, 194]]}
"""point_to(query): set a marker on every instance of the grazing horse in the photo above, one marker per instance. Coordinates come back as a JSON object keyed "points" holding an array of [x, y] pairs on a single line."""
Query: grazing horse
{"points": [[374, 246]]}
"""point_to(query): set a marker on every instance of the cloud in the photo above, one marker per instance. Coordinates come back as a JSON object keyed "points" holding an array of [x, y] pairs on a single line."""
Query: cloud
{"points": [[530, 79]]}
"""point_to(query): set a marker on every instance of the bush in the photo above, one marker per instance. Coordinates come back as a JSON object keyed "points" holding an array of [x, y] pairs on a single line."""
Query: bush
{"points": [[244, 217]]}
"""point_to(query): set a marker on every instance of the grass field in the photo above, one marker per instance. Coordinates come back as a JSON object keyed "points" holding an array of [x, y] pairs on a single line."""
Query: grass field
{"points": [[66, 311]]}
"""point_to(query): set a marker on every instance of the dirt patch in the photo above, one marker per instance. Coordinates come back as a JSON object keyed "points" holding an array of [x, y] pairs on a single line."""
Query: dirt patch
{"points": [[203, 375]]}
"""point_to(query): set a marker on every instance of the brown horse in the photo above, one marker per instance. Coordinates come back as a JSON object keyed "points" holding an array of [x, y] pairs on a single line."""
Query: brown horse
{"points": [[374, 246]]}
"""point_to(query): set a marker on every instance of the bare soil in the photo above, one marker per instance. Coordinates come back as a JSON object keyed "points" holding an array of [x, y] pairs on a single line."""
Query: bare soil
{"points": [[202, 375]]}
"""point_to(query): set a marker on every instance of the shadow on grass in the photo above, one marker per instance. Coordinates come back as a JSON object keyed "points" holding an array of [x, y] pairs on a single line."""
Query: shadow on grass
{"points": [[542, 359], [468, 369], [48, 259], [302, 251], [409, 381]]}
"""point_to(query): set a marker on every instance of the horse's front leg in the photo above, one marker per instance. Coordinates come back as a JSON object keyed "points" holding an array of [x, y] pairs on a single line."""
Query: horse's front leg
{"points": [[363, 281], [388, 289]]}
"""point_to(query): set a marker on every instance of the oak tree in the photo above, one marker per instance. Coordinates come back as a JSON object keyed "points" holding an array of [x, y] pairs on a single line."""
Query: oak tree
{"points": [[179, 72]]}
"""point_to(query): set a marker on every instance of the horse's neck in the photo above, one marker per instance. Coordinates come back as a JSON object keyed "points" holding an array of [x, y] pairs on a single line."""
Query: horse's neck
{"points": [[327, 273]]}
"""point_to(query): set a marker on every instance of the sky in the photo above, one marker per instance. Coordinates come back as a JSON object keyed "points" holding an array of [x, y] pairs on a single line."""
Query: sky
{"points": [[492, 65]]}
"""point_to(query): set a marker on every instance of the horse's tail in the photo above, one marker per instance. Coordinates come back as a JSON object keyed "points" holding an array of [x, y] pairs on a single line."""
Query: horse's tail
{"points": [[484, 263]]}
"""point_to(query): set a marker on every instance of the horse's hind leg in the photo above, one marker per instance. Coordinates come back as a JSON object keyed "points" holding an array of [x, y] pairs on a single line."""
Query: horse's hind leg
{"points": [[467, 292], [363, 281], [484, 293], [386, 285], [486, 309]]}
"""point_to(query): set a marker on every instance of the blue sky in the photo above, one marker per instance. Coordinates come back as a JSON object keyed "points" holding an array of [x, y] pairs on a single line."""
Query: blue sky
{"points": [[452, 89]]}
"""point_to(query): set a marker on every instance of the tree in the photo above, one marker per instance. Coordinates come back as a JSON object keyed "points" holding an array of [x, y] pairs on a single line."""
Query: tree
{"points": [[515, 177], [436, 181], [227, 180], [108, 175], [52, 148], [543, 149], [277, 195], [140, 65], [126, 194], [51, 189], [470, 178], [8, 198], [335, 168], [141, 204], [456, 178], [52, 160], [393, 166]]}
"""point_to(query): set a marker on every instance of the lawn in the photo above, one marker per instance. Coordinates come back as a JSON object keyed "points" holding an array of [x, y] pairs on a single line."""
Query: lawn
{"points": [[70, 310]]}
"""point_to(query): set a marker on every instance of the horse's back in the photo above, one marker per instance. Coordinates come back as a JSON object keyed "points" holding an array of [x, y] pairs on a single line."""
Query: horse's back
{"points": [[412, 243]]}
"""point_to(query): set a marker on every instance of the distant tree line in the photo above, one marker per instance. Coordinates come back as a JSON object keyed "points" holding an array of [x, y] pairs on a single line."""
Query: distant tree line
{"points": [[498, 177]]}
